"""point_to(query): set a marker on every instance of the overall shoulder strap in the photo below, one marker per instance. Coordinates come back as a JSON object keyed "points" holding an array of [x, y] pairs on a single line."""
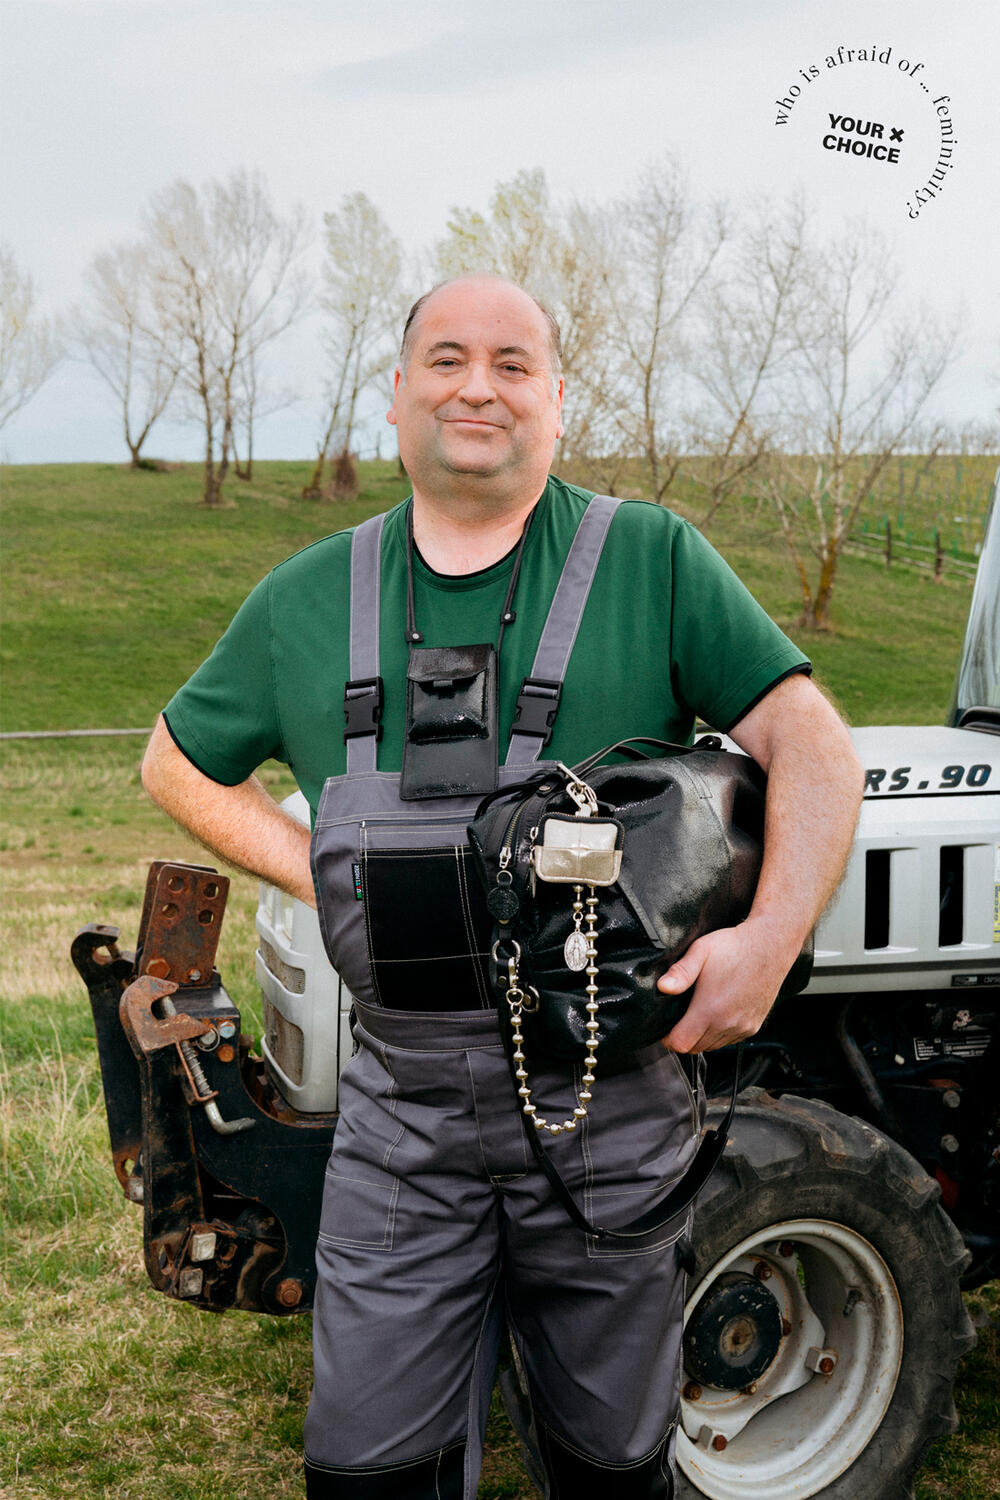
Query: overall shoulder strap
{"points": [[538, 700], [363, 692]]}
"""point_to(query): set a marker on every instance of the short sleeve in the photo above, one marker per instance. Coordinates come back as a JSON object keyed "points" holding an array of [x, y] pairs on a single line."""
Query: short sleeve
{"points": [[225, 717], [726, 651]]}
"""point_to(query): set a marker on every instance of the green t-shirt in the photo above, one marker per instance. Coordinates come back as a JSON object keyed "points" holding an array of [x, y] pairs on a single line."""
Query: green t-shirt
{"points": [[669, 633]]}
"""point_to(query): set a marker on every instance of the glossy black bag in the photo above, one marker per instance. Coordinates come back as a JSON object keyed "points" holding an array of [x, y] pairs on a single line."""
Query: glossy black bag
{"points": [[692, 826]]}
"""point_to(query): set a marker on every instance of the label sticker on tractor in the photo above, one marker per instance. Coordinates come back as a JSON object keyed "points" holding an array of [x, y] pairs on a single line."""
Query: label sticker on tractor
{"points": [[973, 1044], [996, 895]]}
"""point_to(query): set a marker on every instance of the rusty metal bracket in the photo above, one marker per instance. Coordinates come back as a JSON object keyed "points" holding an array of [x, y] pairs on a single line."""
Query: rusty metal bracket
{"points": [[146, 1032], [229, 1178], [181, 921]]}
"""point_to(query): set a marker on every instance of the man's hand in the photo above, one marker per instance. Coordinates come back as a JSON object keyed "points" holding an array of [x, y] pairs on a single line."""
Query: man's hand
{"points": [[737, 980], [813, 794]]}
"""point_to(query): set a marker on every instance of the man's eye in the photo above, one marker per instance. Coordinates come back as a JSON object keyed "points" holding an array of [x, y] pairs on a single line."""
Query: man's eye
{"points": [[513, 369]]}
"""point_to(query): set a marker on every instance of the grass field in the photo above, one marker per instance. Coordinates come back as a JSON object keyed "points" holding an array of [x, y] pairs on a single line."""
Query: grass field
{"points": [[115, 587]]}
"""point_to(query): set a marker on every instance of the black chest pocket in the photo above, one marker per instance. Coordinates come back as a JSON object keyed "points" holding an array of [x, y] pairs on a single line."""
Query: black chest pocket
{"points": [[427, 928]]}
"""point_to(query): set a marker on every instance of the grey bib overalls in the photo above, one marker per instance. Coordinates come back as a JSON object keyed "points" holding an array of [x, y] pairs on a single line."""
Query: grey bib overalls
{"points": [[437, 1227]]}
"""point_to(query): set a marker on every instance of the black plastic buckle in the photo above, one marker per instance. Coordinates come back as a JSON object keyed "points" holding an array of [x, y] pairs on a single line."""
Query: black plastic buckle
{"points": [[363, 708], [537, 706]]}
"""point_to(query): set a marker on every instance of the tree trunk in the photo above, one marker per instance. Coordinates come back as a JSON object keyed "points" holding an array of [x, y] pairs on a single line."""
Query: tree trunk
{"points": [[824, 590], [211, 493], [223, 466], [345, 477]]}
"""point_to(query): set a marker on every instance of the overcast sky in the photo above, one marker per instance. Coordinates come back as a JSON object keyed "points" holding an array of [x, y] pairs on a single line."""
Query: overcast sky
{"points": [[424, 106]]}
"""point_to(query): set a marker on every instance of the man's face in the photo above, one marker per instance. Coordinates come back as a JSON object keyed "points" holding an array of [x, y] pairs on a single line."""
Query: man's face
{"points": [[477, 400]]}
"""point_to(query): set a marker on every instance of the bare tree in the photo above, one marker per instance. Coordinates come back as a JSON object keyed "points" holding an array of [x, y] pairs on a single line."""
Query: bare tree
{"points": [[137, 358], [225, 285], [29, 345], [364, 302], [745, 342], [667, 248], [585, 260], [862, 373]]}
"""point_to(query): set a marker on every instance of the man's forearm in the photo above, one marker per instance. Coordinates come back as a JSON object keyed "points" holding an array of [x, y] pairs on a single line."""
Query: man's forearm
{"points": [[813, 796], [242, 824]]}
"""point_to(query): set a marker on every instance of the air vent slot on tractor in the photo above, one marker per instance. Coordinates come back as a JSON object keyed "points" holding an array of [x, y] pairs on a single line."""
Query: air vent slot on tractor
{"points": [[877, 864], [951, 923]]}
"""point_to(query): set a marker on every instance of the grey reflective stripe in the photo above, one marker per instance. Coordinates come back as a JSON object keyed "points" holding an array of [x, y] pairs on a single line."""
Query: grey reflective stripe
{"points": [[566, 611], [366, 590]]}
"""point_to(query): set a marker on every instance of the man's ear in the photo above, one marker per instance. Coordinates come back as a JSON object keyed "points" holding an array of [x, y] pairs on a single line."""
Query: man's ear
{"points": [[397, 381]]}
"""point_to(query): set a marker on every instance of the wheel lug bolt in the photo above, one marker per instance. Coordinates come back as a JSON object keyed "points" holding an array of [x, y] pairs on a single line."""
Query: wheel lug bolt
{"points": [[822, 1361], [707, 1438], [692, 1391], [763, 1271], [786, 1248]]}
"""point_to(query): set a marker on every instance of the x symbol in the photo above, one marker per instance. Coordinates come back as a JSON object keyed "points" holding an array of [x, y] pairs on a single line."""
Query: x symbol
{"points": [[895, 135]]}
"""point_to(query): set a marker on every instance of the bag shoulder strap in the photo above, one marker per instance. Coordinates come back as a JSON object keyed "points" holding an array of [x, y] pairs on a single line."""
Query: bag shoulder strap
{"points": [[538, 700], [680, 1196]]}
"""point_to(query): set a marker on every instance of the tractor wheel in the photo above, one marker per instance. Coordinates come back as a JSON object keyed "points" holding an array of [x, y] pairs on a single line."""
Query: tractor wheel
{"points": [[824, 1320]]}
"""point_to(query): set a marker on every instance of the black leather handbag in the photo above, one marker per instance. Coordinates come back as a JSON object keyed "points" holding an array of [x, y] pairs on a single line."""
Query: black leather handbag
{"points": [[598, 878], [688, 831]]}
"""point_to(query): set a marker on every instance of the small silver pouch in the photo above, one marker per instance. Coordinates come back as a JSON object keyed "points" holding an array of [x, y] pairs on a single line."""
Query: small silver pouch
{"points": [[578, 850]]}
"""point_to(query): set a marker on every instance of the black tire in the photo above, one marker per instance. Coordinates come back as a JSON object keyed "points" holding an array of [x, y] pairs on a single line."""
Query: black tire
{"points": [[793, 1161]]}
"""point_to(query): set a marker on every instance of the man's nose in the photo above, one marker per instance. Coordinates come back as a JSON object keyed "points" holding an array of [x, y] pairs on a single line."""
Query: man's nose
{"points": [[477, 383]]}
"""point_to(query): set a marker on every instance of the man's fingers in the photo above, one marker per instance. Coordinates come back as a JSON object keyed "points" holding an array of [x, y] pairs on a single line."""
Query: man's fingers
{"points": [[695, 1037], [682, 974]]}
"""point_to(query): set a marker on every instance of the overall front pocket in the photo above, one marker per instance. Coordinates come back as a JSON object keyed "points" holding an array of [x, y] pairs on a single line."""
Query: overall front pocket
{"points": [[427, 927]]}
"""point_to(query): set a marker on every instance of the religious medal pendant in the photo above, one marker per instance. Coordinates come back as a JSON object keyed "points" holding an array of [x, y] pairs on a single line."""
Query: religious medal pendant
{"points": [[575, 947]]}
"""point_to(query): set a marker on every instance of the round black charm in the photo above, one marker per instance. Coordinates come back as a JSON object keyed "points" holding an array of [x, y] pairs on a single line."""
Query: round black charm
{"points": [[502, 903]]}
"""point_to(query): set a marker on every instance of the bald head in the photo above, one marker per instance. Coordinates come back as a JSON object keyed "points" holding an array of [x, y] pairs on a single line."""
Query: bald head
{"points": [[554, 338]]}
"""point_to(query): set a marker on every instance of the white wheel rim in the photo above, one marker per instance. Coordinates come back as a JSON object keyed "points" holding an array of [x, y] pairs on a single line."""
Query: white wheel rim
{"points": [[793, 1445]]}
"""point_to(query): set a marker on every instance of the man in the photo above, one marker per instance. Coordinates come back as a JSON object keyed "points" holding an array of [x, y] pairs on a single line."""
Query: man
{"points": [[437, 1228]]}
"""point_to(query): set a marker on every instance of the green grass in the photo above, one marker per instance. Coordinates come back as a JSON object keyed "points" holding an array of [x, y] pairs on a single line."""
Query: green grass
{"points": [[116, 585]]}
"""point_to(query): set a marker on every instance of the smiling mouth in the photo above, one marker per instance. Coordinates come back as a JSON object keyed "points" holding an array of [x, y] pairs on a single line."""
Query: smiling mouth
{"points": [[472, 422]]}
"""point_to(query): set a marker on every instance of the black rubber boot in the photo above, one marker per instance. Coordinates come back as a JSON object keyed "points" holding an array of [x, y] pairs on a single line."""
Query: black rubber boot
{"points": [[573, 1474], [434, 1476]]}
